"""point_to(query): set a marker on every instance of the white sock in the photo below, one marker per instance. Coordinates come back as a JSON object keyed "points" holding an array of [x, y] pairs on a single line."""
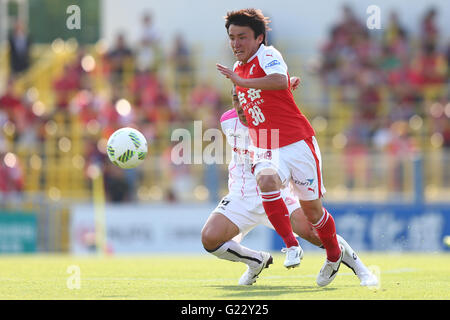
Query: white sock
{"points": [[351, 259], [233, 251]]}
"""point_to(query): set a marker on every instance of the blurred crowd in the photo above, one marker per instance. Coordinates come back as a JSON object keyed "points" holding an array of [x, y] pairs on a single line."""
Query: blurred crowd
{"points": [[365, 66], [394, 82], [130, 75]]}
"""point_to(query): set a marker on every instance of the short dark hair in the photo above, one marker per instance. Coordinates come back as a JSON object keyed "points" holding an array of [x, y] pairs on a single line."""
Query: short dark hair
{"points": [[233, 90], [250, 17]]}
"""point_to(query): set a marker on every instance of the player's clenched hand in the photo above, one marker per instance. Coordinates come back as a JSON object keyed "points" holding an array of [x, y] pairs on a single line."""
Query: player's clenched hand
{"points": [[227, 72], [295, 82]]}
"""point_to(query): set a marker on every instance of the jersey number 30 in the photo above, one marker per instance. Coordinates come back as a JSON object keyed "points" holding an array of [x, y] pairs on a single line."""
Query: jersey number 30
{"points": [[257, 115]]}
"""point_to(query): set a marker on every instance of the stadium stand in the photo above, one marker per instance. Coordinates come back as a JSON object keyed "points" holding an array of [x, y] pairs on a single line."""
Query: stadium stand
{"points": [[384, 98]]}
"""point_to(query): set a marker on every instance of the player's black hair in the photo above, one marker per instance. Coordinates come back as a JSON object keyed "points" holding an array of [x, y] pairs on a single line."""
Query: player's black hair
{"points": [[250, 17], [233, 90]]}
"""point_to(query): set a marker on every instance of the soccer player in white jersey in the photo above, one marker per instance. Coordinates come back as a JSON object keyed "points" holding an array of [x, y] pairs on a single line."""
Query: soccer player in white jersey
{"points": [[286, 150], [241, 209]]}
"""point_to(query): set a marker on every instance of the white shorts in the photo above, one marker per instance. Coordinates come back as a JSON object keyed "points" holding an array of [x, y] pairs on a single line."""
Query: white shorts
{"points": [[299, 164], [247, 213]]}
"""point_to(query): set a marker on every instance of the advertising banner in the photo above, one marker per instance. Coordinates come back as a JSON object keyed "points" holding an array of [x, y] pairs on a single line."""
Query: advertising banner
{"points": [[140, 229], [370, 227], [18, 232], [167, 228]]}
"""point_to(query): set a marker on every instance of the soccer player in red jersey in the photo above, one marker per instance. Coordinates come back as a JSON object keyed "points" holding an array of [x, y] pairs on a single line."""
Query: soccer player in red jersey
{"points": [[241, 209], [285, 147]]}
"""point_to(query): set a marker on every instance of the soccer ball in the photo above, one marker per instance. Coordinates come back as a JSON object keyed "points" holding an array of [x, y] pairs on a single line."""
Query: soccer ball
{"points": [[127, 148]]}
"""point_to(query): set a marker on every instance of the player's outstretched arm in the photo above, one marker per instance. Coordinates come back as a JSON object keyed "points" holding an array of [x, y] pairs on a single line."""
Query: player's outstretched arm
{"points": [[274, 81]]}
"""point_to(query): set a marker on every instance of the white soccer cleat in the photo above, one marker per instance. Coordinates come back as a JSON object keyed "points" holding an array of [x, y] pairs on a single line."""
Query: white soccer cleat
{"points": [[250, 276], [294, 255], [368, 280], [329, 270]]}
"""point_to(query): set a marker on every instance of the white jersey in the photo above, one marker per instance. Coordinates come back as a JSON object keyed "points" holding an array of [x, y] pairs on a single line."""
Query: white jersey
{"points": [[241, 181], [243, 204]]}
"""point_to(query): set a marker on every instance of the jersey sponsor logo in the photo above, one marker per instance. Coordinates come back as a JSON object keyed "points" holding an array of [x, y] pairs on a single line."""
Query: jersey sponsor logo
{"points": [[244, 153], [253, 94], [272, 63], [241, 97], [307, 182], [250, 101], [264, 155], [250, 94], [223, 203]]}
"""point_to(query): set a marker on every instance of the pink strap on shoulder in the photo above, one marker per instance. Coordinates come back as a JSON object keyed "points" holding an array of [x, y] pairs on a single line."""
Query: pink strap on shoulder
{"points": [[230, 114]]}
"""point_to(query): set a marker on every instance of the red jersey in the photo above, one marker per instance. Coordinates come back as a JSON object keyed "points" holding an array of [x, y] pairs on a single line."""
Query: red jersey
{"points": [[272, 115]]}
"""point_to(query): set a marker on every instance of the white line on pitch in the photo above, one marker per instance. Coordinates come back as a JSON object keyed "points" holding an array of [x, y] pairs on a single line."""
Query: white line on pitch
{"points": [[402, 270]]}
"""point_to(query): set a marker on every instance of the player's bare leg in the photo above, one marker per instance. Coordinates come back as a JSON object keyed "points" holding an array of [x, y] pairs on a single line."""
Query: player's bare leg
{"points": [[217, 230], [270, 185], [217, 238], [302, 227], [323, 223]]}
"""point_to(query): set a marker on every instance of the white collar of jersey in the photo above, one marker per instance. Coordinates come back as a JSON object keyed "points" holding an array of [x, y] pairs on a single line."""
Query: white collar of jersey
{"points": [[261, 47]]}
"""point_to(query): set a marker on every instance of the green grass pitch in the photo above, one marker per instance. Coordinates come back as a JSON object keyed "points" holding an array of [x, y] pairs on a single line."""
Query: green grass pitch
{"points": [[195, 277]]}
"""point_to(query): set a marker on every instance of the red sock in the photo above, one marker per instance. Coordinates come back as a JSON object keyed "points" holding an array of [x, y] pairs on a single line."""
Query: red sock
{"points": [[326, 230], [278, 215]]}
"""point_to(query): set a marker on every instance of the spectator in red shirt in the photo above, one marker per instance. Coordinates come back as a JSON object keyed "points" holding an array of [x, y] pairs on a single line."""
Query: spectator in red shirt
{"points": [[11, 174], [10, 102], [430, 66], [66, 85]]}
